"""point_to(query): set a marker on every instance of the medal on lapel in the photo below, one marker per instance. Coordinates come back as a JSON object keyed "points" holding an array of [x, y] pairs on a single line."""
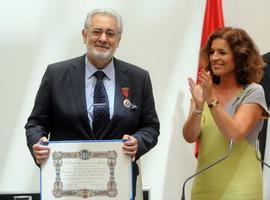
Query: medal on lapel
{"points": [[125, 92]]}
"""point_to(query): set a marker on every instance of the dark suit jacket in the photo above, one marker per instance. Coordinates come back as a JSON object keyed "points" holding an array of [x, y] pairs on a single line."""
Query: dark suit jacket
{"points": [[60, 106], [266, 78], [265, 82]]}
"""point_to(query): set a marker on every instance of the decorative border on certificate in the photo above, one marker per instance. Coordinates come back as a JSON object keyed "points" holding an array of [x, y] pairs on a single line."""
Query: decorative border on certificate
{"points": [[84, 154], [86, 169]]}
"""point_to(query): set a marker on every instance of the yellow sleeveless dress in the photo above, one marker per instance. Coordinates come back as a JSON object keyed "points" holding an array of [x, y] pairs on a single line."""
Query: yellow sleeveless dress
{"points": [[239, 177]]}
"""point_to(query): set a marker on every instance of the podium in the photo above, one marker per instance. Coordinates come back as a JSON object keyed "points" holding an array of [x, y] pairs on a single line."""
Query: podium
{"points": [[35, 196]]}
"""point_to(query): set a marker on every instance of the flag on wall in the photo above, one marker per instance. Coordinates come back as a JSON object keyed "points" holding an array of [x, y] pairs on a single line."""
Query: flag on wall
{"points": [[213, 19]]}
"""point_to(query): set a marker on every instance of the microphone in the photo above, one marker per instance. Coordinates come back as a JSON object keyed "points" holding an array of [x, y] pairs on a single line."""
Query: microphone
{"points": [[257, 146], [206, 168]]}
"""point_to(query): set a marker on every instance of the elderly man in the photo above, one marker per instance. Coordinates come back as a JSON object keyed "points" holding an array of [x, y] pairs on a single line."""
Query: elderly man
{"points": [[95, 96]]}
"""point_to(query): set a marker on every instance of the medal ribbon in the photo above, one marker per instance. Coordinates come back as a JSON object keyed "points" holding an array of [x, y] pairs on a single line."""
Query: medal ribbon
{"points": [[125, 92]]}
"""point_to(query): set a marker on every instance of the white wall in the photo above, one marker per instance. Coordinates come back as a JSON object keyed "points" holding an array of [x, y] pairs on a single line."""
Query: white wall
{"points": [[160, 36]]}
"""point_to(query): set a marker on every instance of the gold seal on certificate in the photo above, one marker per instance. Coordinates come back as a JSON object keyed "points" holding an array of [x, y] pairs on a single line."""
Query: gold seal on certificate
{"points": [[86, 169]]}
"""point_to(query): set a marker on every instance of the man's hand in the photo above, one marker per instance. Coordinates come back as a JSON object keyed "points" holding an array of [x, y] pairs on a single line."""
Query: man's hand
{"points": [[130, 146], [41, 150]]}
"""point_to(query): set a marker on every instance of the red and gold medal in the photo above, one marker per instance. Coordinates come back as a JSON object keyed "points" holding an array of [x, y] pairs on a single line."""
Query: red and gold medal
{"points": [[125, 92]]}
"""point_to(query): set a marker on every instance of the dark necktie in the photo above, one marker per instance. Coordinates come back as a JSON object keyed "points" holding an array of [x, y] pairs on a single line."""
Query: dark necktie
{"points": [[101, 114]]}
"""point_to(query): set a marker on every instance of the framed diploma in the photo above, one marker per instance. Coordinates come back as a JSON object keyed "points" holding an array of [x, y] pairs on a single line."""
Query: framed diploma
{"points": [[86, 169]]}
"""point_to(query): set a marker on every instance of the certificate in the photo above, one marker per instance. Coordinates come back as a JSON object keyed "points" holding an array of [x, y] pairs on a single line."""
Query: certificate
{"points": [[90, 169]]}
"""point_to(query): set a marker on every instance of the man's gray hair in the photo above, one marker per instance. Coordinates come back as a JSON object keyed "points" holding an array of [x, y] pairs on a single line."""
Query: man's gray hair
{"points": [[104, 11]]}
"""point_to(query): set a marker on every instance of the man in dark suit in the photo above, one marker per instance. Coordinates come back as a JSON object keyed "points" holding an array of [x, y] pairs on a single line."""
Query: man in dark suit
{"points": [[64, 103], [265, 82]]}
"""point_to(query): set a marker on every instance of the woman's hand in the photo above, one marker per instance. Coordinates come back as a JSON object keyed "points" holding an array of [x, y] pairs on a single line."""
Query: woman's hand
{"points": [[207, 86], [197, 94]]}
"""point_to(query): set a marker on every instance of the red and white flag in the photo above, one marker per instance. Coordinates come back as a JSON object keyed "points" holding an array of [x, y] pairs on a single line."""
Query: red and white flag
{"points": [[213, 19]]}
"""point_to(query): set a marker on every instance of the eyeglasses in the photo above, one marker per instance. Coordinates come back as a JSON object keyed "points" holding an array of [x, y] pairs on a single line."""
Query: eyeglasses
{"points": [[97, 32]]}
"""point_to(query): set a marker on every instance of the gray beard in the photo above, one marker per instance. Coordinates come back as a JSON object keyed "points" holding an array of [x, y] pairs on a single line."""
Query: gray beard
{"points": [[101, 56]]}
